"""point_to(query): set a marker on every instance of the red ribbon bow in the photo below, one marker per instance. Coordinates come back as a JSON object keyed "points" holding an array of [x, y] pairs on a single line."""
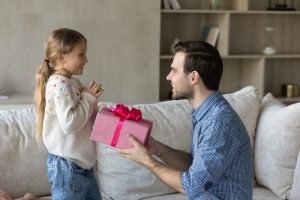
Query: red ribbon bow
{"points": [[125, 114], [122, 111]]}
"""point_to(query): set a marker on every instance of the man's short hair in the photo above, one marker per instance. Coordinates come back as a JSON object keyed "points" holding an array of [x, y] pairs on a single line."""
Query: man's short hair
{"points": [[205, 59]]}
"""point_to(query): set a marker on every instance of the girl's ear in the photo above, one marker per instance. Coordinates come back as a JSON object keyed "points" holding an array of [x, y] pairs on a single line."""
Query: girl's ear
{"points": [[60, 57]]}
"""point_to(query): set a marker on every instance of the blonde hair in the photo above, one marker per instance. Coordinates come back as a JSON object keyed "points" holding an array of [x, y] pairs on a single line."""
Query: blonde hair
{"points": [[60, 41]]}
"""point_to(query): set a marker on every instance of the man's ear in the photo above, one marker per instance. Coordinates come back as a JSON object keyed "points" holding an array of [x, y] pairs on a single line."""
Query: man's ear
{"points": [[194, 78]]}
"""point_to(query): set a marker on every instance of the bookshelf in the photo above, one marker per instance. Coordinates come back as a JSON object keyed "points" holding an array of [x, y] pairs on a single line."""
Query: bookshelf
{"points": [[240, 43]]}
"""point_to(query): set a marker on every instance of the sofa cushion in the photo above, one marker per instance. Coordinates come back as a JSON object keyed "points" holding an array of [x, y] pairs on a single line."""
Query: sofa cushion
{"points": [[262, 193], [121, 178], [295, 192], [259, 193], [277, 145], [23, 160], [176, 196]]}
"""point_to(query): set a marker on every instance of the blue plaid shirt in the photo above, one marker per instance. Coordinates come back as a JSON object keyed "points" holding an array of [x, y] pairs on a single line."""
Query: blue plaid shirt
{"points": [[222, 166]]}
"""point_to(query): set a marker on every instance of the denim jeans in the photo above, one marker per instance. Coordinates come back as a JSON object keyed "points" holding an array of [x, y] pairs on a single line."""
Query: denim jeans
{"points": [[71, 182]]}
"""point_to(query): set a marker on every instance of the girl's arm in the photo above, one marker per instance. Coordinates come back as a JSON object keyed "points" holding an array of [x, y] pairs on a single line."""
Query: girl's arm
{"points": [[73, 110]]}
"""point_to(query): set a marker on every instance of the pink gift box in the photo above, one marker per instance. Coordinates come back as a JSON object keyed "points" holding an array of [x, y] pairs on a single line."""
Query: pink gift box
{"points": [[106, 128]]}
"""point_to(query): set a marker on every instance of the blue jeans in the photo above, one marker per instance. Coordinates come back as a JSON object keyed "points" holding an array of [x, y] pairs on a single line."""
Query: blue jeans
{"points": [[71, 182]]}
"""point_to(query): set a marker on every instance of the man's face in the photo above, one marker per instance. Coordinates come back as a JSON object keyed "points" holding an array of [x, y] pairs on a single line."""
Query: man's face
{"points": [[181, 87]]}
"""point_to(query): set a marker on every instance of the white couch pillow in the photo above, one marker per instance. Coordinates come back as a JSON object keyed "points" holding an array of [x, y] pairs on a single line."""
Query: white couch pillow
{"points": [[277, 145], [295, 192], [121, 178], [23, 166], [246, 103]]}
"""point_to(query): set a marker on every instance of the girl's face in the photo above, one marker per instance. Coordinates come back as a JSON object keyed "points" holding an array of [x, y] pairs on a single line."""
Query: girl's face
{"points": [[73, 62]]}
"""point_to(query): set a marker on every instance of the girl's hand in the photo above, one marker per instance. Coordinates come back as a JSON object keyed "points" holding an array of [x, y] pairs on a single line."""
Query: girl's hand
{"points": [[94, 89]]}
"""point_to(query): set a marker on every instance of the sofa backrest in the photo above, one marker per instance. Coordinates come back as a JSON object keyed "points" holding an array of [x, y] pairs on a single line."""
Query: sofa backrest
{"points": [[22, 159]]}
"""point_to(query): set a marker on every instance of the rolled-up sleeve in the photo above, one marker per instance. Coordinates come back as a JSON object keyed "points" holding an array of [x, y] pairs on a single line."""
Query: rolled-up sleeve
{"points": [[214, 150]]}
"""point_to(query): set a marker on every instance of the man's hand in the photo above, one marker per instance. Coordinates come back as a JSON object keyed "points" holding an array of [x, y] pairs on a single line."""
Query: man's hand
{"points": [[141, 154], [138, 153]]}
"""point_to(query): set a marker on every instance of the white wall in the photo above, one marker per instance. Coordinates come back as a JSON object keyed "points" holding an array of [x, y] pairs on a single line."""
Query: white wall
{"points": [[123, 43]]}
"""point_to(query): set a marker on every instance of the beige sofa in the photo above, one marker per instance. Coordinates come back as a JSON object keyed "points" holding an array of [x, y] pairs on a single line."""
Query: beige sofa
{"points": [[274, 130]]}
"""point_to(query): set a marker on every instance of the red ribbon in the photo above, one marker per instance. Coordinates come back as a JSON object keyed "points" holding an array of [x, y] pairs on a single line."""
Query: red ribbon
{"points": [[125, 114]]}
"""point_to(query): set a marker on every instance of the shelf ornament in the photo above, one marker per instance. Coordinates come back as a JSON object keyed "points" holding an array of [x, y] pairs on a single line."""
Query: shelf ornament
{"points": [[281, 5]]}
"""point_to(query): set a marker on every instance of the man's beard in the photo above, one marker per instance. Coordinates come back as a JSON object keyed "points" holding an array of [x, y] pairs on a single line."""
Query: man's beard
{"points": [[183, 95]]}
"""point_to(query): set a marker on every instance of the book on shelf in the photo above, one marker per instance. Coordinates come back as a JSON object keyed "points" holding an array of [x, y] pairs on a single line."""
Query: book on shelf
{"points": [[210, 34], [166, 4], [173, 44], [205, 32], [174, 4], [171, 4]]}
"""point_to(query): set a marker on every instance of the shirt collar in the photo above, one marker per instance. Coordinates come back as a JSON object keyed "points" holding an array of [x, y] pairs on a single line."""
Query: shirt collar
{"points": [[199, 112]]}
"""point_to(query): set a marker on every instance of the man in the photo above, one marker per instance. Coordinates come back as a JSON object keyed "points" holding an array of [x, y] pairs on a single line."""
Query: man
{"points": [[220, 163]]}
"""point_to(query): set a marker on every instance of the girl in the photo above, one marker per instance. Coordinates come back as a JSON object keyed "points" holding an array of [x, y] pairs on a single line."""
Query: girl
{"points": [[64, 110]]}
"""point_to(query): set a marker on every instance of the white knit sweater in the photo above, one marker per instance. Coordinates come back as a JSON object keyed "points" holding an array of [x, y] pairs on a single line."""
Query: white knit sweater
{"points": [[67, 121]]}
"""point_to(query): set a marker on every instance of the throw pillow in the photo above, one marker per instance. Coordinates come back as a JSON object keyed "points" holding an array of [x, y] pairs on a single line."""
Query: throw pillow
{"points": [[277, 145], [246, 103], [295, 192], [121, 178]]}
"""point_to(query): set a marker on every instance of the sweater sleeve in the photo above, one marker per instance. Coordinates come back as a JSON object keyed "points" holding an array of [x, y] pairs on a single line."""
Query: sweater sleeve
{"points": [[72, 107]]}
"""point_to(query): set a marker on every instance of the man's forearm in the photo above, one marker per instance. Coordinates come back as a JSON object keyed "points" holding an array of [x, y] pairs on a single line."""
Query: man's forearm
{"points": [[175, 158], [170, 176]]}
